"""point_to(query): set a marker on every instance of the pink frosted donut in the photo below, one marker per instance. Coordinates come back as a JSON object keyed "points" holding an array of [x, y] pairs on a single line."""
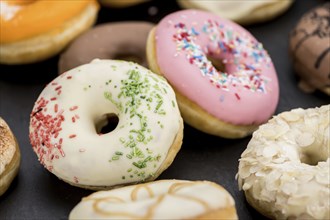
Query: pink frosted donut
{"points": [[225, 81]]}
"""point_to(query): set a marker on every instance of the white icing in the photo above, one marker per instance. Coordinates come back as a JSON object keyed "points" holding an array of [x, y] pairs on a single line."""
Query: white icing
{"points": [[278, 165], [8, 11], [164, 199], [91, 159], [233, 10]]}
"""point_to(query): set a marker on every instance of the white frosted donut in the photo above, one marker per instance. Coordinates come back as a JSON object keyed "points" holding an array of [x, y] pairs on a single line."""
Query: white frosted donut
{"points": [[69, 114], [163, 199], [241, 11], [285, 170]]}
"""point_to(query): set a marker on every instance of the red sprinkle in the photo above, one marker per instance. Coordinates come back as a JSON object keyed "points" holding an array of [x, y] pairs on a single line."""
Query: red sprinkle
{"points": [[55, 108], [69, 77], [73, 108], [72, 136], [58, 87], [237, 96], [54, 83], [53, 99], [73, 119]]}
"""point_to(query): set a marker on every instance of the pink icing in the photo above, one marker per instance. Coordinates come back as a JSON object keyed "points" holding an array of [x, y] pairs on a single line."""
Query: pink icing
{"points": [[247, 92]]}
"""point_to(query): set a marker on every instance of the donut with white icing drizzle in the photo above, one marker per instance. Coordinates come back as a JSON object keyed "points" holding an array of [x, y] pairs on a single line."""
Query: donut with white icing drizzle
{"points": [[285, 170], [225, 81], [241, 11], [163, 199], [67, 120]]}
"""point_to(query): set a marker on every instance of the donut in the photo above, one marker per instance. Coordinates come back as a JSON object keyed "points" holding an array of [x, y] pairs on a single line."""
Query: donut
{"points": [[138, 108], [10, 156], [285, 169], [34, 30], [162, 199], [121, 3], [243, 12], [310, 49], [117, 40], [225, 82]]}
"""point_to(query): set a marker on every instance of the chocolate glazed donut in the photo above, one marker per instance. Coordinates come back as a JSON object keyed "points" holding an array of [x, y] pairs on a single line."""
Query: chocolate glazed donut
{"points": [[119, 40], [310, 49]]}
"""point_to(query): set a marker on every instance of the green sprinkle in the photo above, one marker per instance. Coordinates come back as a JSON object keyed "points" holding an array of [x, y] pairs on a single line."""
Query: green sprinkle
{"points": [[173, 104], [115, 157], [118, 153], [129, 170], [129, 156], [123, 177]]}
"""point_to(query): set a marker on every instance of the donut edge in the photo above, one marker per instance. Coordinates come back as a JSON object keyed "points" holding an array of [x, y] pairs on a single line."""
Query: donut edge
{"points": [[50, 43], [191, 112]]}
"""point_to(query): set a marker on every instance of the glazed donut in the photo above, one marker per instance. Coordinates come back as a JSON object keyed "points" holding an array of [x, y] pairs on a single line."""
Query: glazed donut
{"points": [[34, 30], [68, 117], [285, 170], [225, 81], [162, 199], [10, 156], [121, 3], [118, 41], [310, 49], [243, 11]]}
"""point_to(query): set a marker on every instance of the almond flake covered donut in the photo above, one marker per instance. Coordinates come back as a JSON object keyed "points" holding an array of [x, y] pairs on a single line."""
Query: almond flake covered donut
{"points": [[68, 117], [163, 199], [228, 101], [285, 170]]}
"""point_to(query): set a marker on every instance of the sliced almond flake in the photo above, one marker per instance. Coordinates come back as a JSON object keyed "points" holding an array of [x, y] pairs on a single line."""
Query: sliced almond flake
{"points": [[290, 116], [298, 200], [246, 186], [305, 177], [305, 139], [323, 178], [289, 188], [269, 151]]}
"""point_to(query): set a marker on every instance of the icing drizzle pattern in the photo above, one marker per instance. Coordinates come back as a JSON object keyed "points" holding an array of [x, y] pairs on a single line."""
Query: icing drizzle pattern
{"points": [[230, 42], [147, 201], [321, 21]]}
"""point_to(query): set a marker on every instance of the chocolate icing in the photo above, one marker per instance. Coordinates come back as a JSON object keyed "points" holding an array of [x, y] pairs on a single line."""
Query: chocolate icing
{"points": [[119, 40], [310, 49]]}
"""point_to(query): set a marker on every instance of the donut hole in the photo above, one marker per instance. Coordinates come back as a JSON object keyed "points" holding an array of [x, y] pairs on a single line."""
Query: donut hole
{"points": [[312, 150], [217, 63], [129, 57], [311, 159], [107, 123]]}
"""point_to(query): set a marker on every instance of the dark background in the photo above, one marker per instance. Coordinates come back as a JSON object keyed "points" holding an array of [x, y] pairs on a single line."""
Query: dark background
{"points": [[37, 194]]}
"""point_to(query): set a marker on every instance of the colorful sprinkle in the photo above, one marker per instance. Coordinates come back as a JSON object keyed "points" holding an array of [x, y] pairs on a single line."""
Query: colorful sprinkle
{"points": [[224, 41]]}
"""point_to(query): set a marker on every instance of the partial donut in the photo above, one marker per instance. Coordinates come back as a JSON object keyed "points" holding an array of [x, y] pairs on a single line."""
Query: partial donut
{"points": [[285, 170], [310, 49], [225, 81], [118, 40], [105, 124], [163, 199], [121, 3], [33, 31], [10, 156], [242, 12]]}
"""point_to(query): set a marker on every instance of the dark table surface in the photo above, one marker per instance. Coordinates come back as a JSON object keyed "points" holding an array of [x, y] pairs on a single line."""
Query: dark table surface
{"points": [[37, 194]]}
